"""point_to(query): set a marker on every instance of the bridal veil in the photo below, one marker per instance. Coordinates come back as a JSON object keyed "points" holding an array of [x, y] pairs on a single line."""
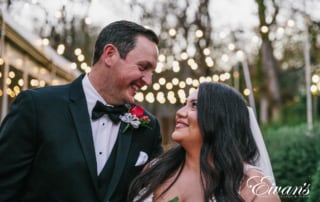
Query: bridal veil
{"points": [[263, 162]]}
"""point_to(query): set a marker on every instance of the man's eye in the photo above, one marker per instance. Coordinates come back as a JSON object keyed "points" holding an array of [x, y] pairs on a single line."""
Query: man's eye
{"points": [[141, 68]]}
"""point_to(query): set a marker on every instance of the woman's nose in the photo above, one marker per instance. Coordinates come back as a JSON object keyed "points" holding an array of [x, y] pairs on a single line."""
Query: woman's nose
{"points": [[181, 112]]}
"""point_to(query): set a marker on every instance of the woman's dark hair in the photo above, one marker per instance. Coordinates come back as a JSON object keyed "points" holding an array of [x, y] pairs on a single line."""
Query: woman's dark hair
{"points": [[123, 35], [224, 123]]}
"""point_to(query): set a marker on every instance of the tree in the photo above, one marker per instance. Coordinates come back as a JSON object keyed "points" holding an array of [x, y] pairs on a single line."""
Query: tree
{"points": [[272, 98], [186, 54]]}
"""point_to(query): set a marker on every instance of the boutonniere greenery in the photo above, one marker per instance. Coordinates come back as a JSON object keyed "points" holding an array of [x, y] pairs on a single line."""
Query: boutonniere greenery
{"points": [[135, 118]]}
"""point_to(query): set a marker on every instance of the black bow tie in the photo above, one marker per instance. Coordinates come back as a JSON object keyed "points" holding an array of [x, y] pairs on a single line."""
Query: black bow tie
{"points": [[113, 112]]}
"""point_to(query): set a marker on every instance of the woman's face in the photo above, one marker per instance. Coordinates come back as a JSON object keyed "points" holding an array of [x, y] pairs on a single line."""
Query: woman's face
{"points": [[187, 131]]}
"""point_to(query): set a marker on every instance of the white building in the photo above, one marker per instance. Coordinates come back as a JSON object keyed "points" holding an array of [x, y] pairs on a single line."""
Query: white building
{"points": [[26, 62]]}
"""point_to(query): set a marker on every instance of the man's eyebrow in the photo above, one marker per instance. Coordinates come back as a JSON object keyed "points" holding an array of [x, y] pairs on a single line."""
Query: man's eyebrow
{"points": [[147, 64]]}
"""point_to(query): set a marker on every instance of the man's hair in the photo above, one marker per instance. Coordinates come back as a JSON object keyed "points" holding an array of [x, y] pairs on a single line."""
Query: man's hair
{"points": [[122, 34]]}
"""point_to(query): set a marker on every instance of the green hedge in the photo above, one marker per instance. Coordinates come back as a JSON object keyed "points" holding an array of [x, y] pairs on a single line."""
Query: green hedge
{"points": [[315, 186], [294, 155]]}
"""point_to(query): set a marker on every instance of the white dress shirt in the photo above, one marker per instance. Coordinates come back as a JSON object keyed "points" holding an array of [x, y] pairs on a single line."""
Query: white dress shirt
{"points": [[104, 131]]}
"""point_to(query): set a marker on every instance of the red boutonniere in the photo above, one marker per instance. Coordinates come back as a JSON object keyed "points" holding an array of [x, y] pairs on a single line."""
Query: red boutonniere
{"points": [[135, 118]]}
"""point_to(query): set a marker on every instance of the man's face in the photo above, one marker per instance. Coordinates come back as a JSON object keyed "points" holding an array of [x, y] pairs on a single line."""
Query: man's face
{"points": [[135, 71]]}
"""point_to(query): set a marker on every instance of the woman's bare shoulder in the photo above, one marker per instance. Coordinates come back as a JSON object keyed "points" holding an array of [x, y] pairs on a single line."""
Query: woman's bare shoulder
{"points": [[256, 187]]}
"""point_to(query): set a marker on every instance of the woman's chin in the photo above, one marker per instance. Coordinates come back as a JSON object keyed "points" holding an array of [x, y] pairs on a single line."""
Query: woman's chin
{"points": [[176, 136]]}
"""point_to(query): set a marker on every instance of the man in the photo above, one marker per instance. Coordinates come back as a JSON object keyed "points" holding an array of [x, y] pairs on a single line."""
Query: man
{"points": [[56, 143]]}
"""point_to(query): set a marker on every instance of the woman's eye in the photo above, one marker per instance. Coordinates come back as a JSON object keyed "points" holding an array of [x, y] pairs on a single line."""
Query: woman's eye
{"points": [[194, 105]]}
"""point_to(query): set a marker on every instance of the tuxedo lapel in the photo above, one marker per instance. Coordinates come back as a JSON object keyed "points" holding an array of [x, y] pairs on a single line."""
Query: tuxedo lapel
{"points": [[79, 111], [124, 139]]}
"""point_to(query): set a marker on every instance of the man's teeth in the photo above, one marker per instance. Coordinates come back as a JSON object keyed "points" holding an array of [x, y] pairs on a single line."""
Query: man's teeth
{"points": [[135, 88]]}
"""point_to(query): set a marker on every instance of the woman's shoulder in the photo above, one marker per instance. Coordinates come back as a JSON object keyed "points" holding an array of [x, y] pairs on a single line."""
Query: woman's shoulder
{"points": [[256, 186]]}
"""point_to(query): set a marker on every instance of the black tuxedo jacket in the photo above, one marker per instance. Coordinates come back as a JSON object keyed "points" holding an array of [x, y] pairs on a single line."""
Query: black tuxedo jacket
{"points": [[47, 152]]}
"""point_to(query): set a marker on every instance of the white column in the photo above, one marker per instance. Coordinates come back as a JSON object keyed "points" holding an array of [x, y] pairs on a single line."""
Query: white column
{"points": [[4, 105], [247, 78], [308, 74]]}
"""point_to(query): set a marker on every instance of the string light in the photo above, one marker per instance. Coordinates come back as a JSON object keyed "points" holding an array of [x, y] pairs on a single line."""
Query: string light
{"points": [[202, 79], [58, 14], [150, 97], [60, 49], [264, 29], [164, 64], [206, 51], [175, 66], [139, 97], [314, 89], [172, 32], [182, 84], [184, 56], [175, 81], [162, 58], [161, 98], [80, 58], [87, 20], [1, 61], [77, 51], [199, 33], [169, 86], [162, 81], [11, 74], [8, 81], [45, 41], [315, 78], [215, 78], [246, 92], [42, 83], [231, 46], [156, 86], [209, 62], [21, 82], [73, 65], [291, 23], [189, 81], [159, 67]]}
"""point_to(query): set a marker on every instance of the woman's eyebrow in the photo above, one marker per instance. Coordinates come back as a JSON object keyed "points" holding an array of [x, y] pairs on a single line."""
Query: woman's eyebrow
{"points": [[193, 100]]}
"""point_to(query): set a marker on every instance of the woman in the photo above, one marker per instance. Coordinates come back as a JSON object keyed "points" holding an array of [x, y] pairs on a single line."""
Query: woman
{"points": [[215, 156]]}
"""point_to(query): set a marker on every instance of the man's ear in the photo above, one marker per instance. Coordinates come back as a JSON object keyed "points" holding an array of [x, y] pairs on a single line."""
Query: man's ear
{"points": [[110, 54]]}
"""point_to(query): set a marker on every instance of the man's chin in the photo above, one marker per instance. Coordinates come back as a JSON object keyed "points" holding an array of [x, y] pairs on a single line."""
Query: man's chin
{"points": [[130, 99]]}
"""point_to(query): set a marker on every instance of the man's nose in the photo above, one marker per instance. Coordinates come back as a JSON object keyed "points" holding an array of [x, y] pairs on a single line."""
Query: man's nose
{"points": [[147, 78]]}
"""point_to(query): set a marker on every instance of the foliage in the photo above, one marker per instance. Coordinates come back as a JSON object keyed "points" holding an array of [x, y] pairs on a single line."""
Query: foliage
{"points": [[294, 154], [294, 111], [315, 186]]}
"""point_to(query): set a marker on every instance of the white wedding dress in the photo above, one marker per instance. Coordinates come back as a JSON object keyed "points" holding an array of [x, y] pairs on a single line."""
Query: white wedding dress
{"points": [[246, 168]]}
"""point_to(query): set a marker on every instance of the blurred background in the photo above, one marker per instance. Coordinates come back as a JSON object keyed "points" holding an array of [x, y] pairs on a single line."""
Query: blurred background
{"points": [[269, 50]]}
